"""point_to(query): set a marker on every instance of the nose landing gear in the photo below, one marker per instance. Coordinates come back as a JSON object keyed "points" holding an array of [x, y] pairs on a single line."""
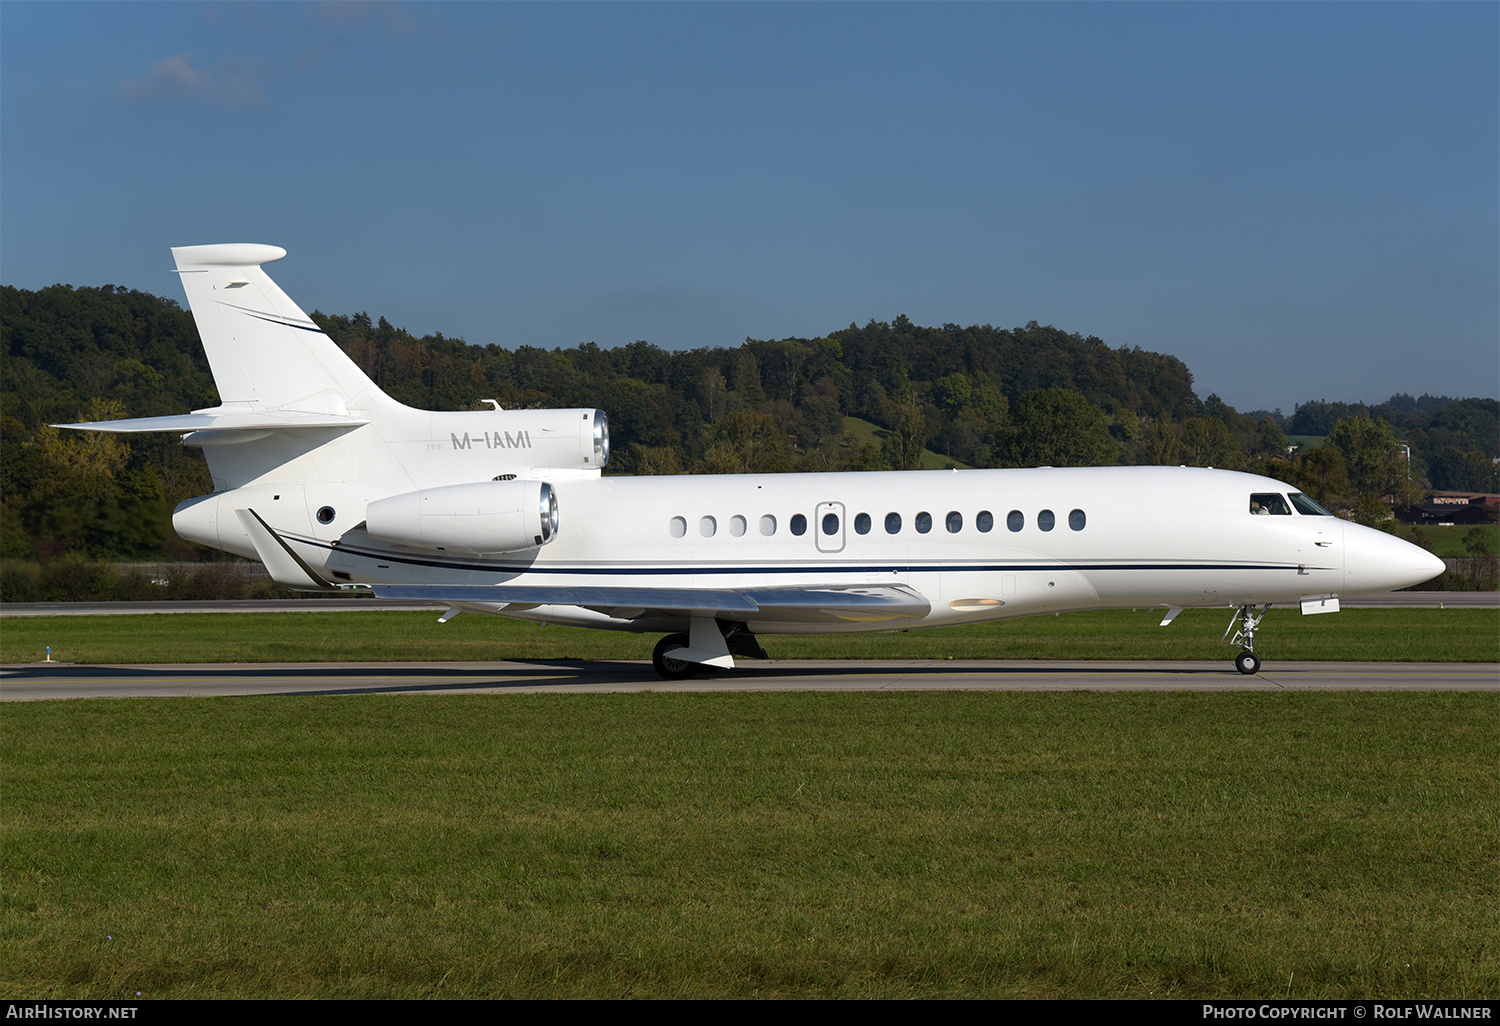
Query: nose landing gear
{"points": [[1247, 662]]}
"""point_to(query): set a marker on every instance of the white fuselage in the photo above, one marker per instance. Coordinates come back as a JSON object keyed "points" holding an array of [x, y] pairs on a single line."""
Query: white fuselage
{"points": [[1146, 536]]}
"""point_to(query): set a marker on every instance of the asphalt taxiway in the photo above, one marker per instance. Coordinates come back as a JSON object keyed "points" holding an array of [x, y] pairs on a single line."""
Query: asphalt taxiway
{"points": [[36, 681]]}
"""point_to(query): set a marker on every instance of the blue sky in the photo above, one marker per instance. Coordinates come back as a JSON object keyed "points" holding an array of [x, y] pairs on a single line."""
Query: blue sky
{"points": [[1301, 201]]}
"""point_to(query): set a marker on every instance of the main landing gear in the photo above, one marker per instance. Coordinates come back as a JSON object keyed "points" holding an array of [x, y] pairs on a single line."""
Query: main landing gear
{"points": [[1247, 662], [712, 643], [669, 668]]}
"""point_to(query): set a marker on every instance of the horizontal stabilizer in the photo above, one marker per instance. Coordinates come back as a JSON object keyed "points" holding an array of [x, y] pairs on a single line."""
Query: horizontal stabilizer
{"points": [[221, 420]]}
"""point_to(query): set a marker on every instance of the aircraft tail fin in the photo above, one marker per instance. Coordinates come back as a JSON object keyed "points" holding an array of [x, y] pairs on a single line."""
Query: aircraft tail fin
{"points": [[265, 352]]}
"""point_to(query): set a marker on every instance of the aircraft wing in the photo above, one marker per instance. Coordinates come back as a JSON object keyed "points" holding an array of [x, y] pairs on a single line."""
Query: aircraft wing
{"points": [[853, 604]]}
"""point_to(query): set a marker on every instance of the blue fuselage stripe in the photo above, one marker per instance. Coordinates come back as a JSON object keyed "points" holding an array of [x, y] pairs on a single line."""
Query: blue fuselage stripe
{"points": [[807, 568]]}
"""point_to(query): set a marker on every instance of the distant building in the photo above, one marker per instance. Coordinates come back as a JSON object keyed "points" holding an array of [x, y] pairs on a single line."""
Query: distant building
{"points": [[1456, 508]]}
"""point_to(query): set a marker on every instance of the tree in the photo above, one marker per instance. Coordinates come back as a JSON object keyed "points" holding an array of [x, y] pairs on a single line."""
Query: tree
{"points": [[1464, 471], [744, 442], [1375, 465], [1320, 472], [1207, 442], [822, 417], [1056, 427], [908, 437]]}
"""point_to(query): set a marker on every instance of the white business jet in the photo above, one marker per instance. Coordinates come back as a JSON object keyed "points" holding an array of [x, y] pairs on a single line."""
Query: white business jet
{"points": [[333, 484]]}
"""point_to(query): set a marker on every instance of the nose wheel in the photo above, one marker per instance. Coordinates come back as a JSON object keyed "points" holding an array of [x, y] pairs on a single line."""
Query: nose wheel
{"points": [[1247, 662]]}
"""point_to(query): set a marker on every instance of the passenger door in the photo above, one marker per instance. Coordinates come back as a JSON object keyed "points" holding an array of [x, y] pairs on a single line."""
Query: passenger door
{"points": [[828, 527]]}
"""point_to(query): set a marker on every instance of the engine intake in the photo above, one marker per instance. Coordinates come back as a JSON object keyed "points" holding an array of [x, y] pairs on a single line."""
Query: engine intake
{"points": [[486, 516]]}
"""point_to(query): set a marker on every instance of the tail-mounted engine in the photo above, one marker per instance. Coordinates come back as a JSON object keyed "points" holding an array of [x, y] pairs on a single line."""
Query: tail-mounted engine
{"points": [[520, 439], [483, 517]]}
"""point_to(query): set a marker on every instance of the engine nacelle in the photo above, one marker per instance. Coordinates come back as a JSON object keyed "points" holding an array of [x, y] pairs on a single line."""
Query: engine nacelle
{"points": [[486, 516], [522, 439]]}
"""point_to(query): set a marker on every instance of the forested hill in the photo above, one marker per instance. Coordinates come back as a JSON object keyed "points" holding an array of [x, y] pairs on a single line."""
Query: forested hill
{"points": [[958, 381], [858, 398]]}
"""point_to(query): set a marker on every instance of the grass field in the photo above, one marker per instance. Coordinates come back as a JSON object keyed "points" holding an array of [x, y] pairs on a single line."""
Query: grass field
{"points": [[1421, 635], [864, 431], [1449, 541], [1316, 845], [1307, 441]]}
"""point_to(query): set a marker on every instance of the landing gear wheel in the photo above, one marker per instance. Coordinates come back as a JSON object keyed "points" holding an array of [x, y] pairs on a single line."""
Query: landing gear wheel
{"points": [[1247, 662], [668, 667]]}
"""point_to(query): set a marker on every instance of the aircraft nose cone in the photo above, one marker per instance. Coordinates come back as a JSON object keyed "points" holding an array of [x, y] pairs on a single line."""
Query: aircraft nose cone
{"points": [[1376, 562], [1431, 566]]}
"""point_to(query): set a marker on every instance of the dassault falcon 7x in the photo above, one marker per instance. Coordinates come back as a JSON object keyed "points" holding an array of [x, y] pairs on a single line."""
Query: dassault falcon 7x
{"points": [[333, 484]]}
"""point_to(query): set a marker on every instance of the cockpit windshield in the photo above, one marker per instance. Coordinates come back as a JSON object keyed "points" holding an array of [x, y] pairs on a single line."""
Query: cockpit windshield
{"points": [[1307, 507], [1269, 504]]}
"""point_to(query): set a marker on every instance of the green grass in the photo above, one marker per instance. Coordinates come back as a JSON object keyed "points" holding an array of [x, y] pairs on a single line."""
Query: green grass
{"points": [[1308, 845], [1420, 635], [865, 431], [1449, 541], [1306, 441]]}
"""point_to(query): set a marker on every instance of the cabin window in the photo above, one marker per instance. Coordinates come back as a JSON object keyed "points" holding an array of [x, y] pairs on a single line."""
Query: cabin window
{"points": [[893, 523], [862, 524], [924, 522], [1269, 504], [799, 525], [985, 521], [1307, 507], [954, 522], [830, 523], [768, 525], [737, 526], [1076, 520], [325, 515], [1046, 520], [707, 526], [1015, 520], [677, 527]]}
